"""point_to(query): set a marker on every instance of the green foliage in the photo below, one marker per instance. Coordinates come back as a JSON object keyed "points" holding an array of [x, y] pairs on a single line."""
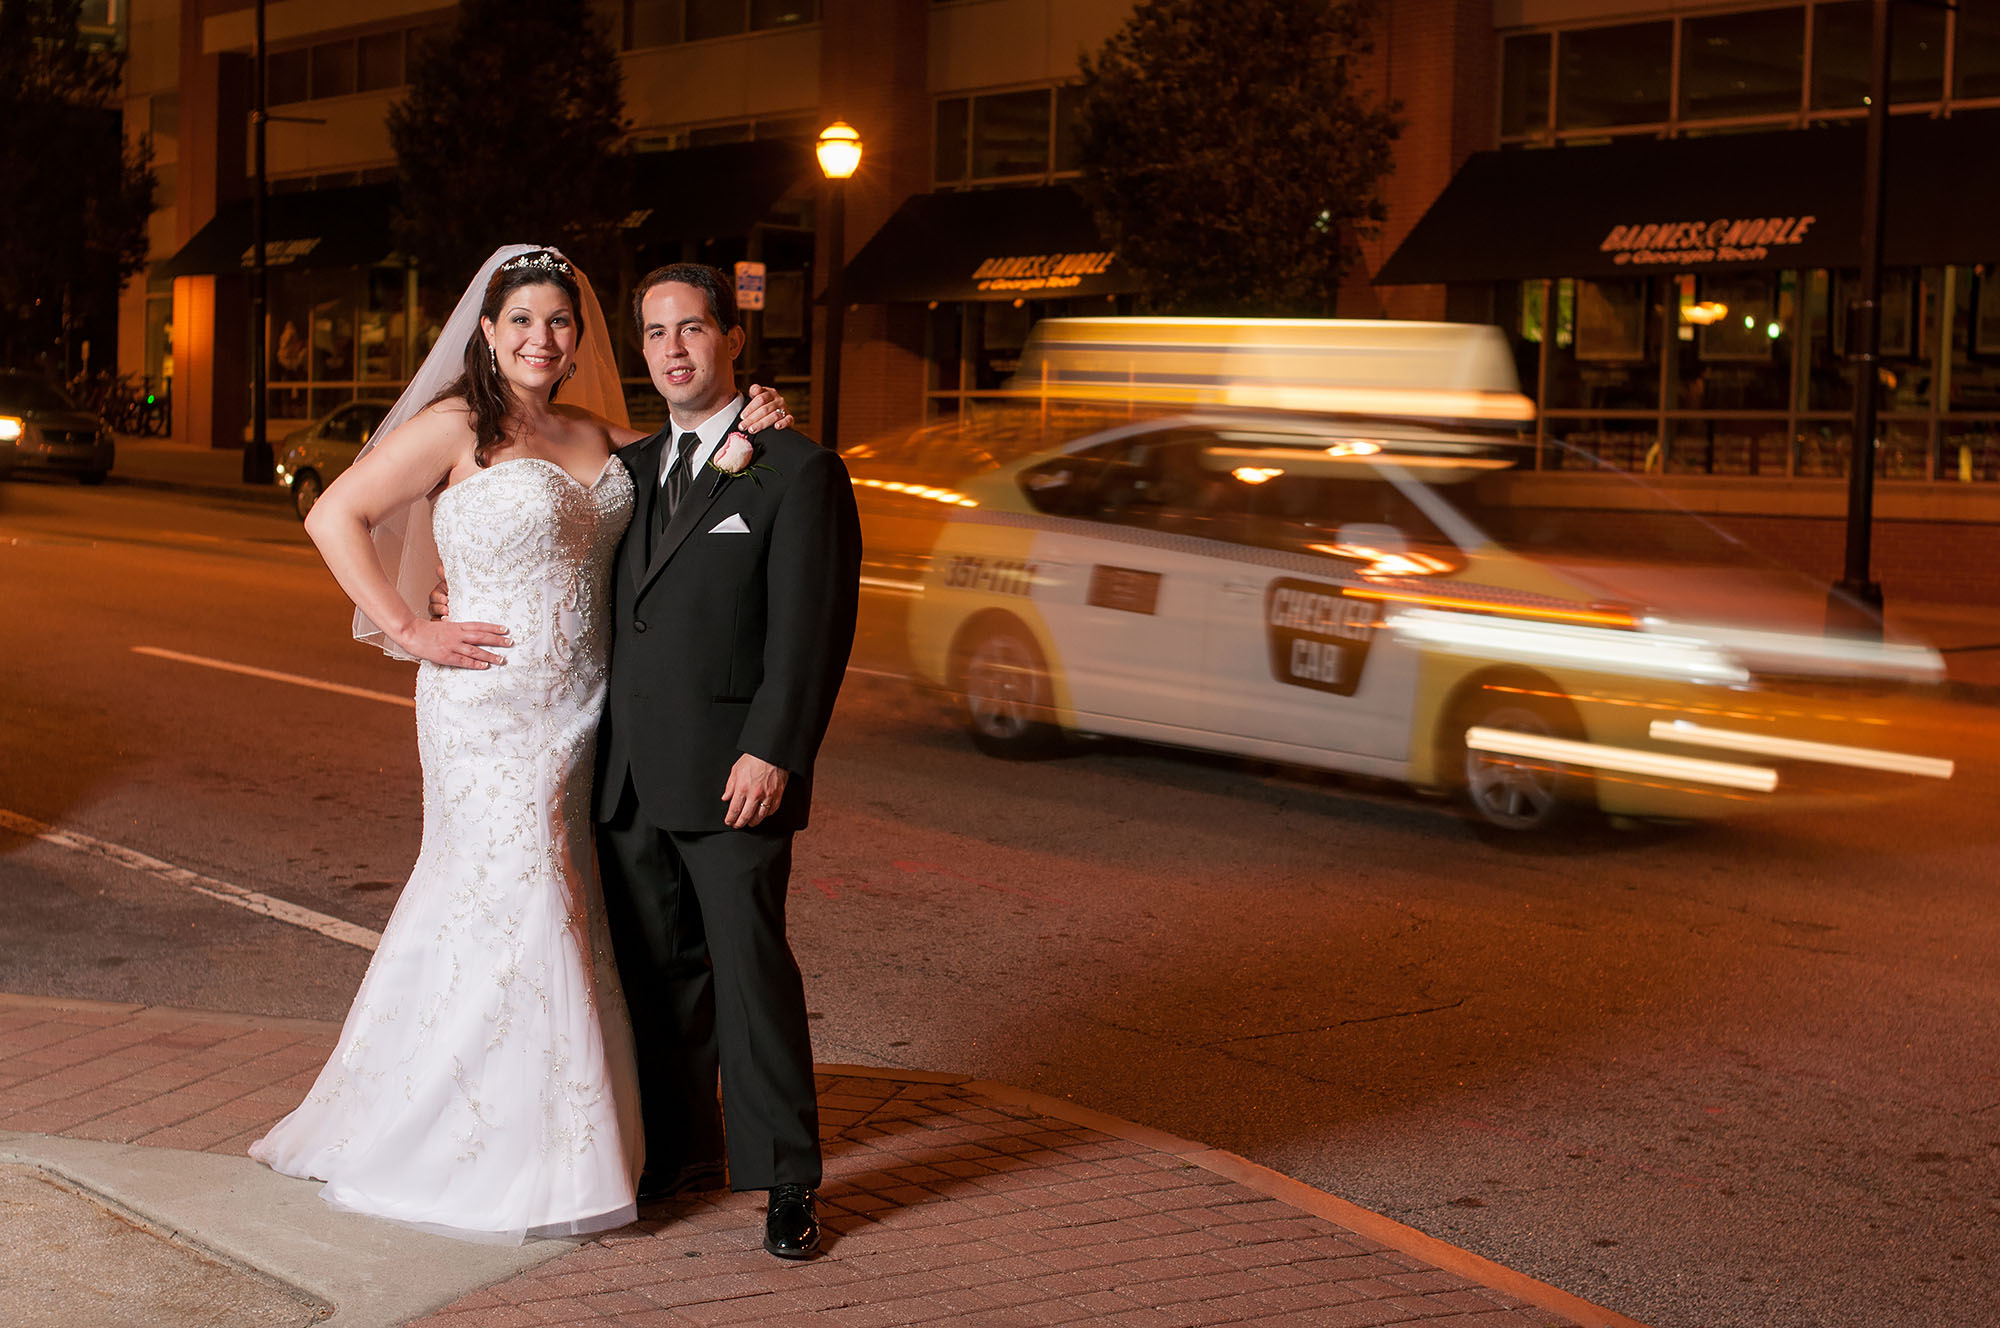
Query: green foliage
{"points": [[512, 132], [1228, 154], [78, 196]]}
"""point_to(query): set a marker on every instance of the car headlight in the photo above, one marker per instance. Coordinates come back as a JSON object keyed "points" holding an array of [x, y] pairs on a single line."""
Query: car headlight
{"points": [[10, 428]]}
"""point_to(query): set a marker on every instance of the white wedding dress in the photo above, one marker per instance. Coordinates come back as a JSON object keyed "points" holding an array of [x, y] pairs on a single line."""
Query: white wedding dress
{"points": [[483, 1086]]}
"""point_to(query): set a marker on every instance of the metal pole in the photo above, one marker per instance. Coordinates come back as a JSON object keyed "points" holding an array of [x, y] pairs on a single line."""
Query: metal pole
{"points": [[836, 312], [1856, 602], [257, 456]]}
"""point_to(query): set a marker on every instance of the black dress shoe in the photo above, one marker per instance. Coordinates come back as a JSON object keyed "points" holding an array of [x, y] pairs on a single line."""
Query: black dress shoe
{"points": [[791, 1222], [695, 1178]]}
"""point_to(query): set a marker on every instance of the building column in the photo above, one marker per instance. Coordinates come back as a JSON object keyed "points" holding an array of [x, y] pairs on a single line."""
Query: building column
{"points": [[1440, 58], [874, 75], [211, 336]]}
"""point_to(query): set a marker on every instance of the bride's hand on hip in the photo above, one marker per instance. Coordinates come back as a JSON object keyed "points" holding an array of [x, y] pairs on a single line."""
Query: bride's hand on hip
{"points": [[765, 409], [456, 645]]}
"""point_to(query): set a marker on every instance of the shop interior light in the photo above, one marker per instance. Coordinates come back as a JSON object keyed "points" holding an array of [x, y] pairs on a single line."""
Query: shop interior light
{"points": [[1772, 330], [1704, 313]]}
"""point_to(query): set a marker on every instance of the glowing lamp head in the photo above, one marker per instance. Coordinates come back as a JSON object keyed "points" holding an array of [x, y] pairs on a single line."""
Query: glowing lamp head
{"points": [[839, 150], [10, 428]]}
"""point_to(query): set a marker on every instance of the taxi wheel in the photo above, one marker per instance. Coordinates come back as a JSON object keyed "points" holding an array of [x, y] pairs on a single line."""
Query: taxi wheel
{"points": [[305, 492], [1515, 794], [1005, 687]]}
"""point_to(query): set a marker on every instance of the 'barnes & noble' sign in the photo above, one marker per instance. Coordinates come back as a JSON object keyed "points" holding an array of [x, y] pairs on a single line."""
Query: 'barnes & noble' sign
{"points": [[1725, 240], [1037, 272]]}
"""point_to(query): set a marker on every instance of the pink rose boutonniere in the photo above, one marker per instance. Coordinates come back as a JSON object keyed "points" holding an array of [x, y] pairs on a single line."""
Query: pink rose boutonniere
{"points": [[735, 457]]}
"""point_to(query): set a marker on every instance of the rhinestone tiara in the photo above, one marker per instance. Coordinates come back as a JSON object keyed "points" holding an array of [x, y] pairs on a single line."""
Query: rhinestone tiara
{"points": [[546, 259]]}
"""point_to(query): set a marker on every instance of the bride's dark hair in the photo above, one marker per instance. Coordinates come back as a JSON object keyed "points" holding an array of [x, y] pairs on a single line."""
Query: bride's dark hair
{"points": [[488, 395]]}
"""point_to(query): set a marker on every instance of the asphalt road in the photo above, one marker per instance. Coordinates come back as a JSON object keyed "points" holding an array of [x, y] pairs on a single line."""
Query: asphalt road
{"points": [[1737, 1076]]}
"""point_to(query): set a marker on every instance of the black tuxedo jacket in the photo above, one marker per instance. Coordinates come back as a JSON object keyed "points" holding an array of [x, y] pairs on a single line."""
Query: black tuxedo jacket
{"points": [[728, 640]]}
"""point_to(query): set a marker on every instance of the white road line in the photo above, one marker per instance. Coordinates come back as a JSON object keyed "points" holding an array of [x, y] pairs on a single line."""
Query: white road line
{"points": [[408, 703], [343, 689], [278, 910]]}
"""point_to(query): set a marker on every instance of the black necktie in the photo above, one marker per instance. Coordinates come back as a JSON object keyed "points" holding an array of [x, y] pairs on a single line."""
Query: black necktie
{"points": [[682, 475], [679, 476]]}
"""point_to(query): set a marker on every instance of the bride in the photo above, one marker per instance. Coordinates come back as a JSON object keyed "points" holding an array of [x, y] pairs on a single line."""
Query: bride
{"points": [[483, 1084]]}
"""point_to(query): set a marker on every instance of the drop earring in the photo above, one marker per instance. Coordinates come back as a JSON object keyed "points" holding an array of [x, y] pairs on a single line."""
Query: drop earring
{"points": [[572, 371], [493, 357]]}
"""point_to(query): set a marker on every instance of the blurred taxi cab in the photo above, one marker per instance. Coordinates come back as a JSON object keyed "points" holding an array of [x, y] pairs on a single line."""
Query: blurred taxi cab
{"points": [[1341, 582]]}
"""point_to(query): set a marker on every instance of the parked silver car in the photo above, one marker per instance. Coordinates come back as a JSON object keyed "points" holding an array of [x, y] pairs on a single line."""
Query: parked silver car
{"points": [[310, 458], [42, 429]]}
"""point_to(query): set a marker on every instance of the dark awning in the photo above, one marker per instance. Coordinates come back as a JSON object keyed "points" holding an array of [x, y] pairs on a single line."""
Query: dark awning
{"points": [[1789, 199], [987, 244], [702, 193], [323, 228]]}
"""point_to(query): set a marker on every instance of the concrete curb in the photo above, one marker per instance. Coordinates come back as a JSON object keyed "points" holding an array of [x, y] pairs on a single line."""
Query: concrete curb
{"points": [[261, 496], [1229, 1166]]}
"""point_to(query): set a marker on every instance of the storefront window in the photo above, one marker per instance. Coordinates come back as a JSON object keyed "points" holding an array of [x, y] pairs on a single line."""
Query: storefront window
{"points": [[1841, 43], [1975, 341], [1726, 447], [1524, 84], [1587, 442], [383, 322], [1742, 64], [1614, 76], [1735, 333], [1976, 66], [1605, 353], [944, 347]]}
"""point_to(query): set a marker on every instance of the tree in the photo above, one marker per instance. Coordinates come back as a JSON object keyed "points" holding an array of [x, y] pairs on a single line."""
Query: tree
{"points": [[1228, 155], [78, 196], [512, 131]]}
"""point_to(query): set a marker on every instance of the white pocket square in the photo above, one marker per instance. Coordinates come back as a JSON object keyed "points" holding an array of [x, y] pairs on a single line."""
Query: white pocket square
{"points": [[730, 525]]}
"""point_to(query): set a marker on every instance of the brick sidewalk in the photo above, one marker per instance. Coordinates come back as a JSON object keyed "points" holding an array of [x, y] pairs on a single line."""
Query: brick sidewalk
{"points": [[946, 1200]]}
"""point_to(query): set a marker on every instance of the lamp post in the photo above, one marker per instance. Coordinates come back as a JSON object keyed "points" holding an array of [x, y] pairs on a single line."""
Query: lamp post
{"points": [[1856, 602], [257, 455], [839, 150]]}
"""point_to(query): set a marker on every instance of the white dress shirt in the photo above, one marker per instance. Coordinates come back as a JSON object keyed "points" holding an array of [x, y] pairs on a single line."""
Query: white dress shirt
{"points": [[708, 436]]}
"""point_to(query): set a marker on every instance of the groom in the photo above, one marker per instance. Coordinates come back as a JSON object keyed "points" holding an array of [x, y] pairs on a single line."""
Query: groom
{"points": [[734, 596]]}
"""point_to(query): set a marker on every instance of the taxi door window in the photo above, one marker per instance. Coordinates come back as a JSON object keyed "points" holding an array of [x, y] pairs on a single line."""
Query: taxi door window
{"points": [[1306, 508], [1167, 483]]}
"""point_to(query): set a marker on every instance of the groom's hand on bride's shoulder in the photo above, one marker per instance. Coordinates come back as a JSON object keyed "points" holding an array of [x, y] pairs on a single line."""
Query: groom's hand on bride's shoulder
{"points": [[440, 596], [764, 409]]}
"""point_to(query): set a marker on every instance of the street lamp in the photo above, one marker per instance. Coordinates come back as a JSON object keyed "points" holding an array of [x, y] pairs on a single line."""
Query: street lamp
{"points": [[839, 150]]}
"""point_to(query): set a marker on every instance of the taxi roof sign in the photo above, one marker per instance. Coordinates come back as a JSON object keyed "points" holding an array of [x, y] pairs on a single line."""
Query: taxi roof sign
{"points": [[1353, 366]]}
